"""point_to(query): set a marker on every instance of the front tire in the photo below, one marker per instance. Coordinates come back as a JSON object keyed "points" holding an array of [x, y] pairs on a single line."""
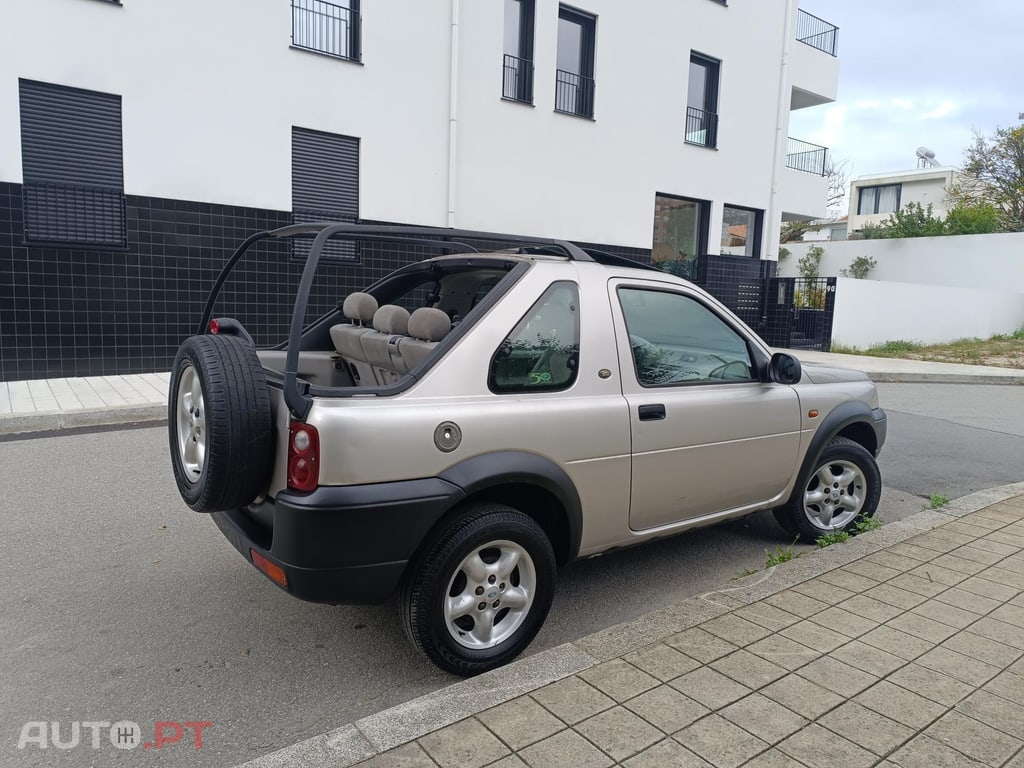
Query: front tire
{"points": [[843, 489], [480, 590]]}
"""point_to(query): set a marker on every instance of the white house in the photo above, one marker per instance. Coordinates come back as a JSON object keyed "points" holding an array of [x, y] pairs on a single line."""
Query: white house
{"points": [[141, 139], [875, 197]]}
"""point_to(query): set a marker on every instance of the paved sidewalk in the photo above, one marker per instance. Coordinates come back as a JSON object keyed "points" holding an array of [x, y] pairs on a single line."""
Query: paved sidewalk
{"points": [[54, 404], [902, 647]]}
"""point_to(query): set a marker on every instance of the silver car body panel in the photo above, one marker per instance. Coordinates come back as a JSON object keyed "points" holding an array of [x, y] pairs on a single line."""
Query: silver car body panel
{"points": [[726, 449]]}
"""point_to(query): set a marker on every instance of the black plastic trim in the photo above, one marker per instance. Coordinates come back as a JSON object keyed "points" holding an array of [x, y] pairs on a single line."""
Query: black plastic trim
{"points": [[841, 416], [504, 467], [342, 544]]}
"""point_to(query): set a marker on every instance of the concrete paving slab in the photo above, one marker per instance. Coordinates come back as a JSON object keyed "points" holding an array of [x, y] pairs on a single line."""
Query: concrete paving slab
{"points": [[926, 674]]}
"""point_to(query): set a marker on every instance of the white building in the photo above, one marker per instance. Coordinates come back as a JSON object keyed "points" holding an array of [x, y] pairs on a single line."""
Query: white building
{"points": [[599, 122], [874, 198]]}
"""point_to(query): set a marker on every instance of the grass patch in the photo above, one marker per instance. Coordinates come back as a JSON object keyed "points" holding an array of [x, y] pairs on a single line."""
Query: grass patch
{"points": [[1003, 350], [780, 555], [827, 540], [937, 501]]}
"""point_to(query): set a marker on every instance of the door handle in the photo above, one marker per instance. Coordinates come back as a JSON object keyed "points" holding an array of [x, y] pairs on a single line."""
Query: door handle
{"points": [[651, 412]]}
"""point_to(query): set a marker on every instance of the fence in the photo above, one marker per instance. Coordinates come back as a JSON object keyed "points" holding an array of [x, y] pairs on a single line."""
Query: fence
{"points": [[326, 28], [517, 79]]}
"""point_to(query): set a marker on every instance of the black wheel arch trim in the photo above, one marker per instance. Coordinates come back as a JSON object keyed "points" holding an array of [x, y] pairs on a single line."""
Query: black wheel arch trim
{"points": [[840, 417], [490, 470]]}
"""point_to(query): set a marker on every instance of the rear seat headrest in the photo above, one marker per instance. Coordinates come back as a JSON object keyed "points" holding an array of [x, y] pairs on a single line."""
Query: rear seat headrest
{"points": [[392, 318], [359, 306], [429, 324]]}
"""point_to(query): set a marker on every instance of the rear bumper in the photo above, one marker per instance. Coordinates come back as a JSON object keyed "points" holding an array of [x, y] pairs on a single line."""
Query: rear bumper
{"points": [[345, 544]]}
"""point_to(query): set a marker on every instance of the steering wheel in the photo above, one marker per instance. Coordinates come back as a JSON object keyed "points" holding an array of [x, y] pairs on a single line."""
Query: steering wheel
{"points": [[722, 371]]}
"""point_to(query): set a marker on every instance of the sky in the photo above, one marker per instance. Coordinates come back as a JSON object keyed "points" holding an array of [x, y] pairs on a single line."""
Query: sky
{"points": [[917, 73]]}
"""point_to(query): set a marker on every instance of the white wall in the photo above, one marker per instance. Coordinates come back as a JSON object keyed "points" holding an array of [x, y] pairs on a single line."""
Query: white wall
{"points": [[868, 312], [985, 262], [211, 89]]}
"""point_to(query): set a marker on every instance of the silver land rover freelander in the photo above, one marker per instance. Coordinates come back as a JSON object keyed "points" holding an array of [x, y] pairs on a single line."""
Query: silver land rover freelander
{"points": [[472, 421]]}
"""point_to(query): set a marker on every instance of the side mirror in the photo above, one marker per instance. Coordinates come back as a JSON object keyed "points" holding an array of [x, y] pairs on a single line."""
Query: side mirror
{"points": [[783, 368]]}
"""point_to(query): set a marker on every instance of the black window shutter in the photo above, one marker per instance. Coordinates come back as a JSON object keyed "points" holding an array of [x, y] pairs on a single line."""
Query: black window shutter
{"points": [[72, 164], [325, 185]]}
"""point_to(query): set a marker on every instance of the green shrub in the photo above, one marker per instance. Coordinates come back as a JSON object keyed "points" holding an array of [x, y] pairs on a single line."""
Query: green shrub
{"points": [[972, 219], [809, 264], [859, 268]]}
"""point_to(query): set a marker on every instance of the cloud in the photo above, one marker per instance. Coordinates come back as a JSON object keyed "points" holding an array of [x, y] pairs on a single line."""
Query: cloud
{"points": [[944, 109]]}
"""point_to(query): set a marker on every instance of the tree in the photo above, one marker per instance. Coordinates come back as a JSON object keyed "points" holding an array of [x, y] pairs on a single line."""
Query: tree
{"points": [[993, 173]]}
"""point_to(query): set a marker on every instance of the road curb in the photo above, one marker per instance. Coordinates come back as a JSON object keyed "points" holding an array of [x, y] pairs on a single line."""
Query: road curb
{"points": [[941, 378], [370, 736], [55, 421]]}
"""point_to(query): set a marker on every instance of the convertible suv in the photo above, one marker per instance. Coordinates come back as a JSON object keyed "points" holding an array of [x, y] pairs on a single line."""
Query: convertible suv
{"points": [[473, 421]]}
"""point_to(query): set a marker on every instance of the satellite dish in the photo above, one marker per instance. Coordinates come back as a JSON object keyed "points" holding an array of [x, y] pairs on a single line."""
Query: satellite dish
{"points": [[926, 158]]}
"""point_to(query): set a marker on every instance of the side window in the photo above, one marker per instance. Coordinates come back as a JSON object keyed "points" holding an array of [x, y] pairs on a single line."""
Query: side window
{"points": [[541, 352], [675, 340]]}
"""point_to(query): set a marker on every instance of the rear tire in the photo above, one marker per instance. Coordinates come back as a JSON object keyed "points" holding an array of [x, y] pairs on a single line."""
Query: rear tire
{"points": [[480, 589], [843, 489], [219, 423]]}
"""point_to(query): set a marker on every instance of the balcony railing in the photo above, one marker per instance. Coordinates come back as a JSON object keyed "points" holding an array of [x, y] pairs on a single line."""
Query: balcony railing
{"points": [[816, 32], [326, 28], [517, 81], [574, 94], [806, 157], [701, 127]]}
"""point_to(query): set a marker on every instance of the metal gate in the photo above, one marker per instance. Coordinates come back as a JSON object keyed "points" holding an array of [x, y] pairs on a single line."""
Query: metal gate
{"points": [[787, 312]]}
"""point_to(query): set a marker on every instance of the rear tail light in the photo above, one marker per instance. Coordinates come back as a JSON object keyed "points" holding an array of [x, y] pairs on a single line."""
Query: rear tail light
{"points": [[303, 457]]}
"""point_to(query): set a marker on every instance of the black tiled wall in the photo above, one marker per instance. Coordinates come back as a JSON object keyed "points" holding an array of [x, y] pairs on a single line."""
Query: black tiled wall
{"points": [[89, 312]]}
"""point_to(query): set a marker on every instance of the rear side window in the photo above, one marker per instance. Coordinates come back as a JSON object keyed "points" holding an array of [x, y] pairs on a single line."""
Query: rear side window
{"points": [[541, 353]]}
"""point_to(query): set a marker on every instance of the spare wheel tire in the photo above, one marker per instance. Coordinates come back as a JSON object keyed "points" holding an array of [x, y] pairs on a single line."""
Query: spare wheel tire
{"points": [[219, 423]]}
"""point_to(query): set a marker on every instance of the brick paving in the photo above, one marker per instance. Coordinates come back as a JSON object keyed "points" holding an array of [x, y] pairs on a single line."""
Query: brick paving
{"points": [[912, 656]]}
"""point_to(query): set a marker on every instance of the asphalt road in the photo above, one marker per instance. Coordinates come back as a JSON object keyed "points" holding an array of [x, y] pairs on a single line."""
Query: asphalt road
{"points": [[118, 603]]}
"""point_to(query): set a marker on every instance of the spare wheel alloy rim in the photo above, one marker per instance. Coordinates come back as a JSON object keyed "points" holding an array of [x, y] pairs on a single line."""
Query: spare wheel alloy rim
{"points": [[191, 418]]}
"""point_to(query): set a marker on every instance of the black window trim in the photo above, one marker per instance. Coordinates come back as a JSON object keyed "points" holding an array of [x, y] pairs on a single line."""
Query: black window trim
{"points": [[524, 52], [860, 198], [758, 226], [703, 219], [709, 103], [492, 384], [587, 62], [757, 358]]}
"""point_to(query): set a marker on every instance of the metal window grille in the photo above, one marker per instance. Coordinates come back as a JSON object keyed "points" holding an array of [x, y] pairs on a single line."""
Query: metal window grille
{"points": [[327, 28], [574, 94], [70, 213], [517, 79], [701, 127]]}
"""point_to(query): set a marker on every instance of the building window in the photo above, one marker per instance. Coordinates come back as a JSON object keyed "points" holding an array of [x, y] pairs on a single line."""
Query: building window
{"points": [[328, 28], [73, 190], [741, 231], [574, 76], [881, 199], [325, 187], [517, 78], [541, 352], [702, 101], [680, 233]]}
